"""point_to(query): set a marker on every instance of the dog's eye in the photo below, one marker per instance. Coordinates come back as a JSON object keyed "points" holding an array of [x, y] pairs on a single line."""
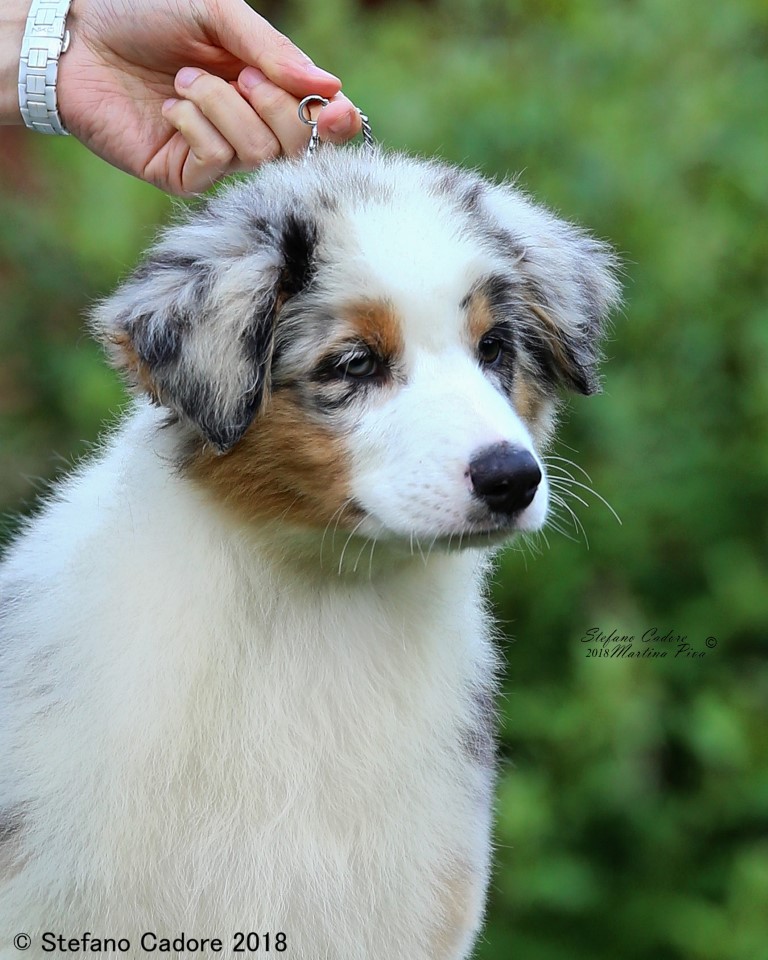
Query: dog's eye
{"points": [[490, 350], [359, 366]]}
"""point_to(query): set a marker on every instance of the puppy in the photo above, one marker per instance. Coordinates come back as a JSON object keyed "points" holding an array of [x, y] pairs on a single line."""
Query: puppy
{"points": [[245, 657]]}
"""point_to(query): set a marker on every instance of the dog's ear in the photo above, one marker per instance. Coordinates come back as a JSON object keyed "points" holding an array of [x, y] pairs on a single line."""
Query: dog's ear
{"points": [[194, 325], [569, 283]]}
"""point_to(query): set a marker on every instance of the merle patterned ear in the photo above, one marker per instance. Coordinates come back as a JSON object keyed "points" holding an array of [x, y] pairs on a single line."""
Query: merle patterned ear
{"points": [[194, 325], [569, 287]]}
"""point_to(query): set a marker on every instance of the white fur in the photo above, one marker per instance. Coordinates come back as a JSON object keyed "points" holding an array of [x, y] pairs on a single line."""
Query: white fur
{"points": [[218, 745]]}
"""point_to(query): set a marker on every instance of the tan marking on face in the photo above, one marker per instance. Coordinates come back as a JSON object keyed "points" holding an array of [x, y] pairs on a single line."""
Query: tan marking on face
{"points": [[527, 398], [286, 467], [375, 322], [461, 902], [480, 317], [536, 408]]}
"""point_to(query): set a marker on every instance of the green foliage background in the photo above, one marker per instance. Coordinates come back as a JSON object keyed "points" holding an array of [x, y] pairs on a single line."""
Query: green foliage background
{"points": [[633, 797]]}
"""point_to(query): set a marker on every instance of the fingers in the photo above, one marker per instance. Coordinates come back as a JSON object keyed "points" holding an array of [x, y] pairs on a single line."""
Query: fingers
{"points": [[208, 157], [253, 40], [251, 140], [238, 126], [276, 108], [279, 110]]}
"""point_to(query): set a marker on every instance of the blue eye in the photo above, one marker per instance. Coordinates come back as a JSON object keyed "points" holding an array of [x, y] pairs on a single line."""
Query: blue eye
{"points": [[359, 366]]}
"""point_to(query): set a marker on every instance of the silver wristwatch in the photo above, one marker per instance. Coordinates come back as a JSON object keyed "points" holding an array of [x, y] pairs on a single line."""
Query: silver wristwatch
{"points": [[45, 39]]}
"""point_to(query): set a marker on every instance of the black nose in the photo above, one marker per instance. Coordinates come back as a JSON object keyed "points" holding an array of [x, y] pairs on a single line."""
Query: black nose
{"points": [[505, 478]]}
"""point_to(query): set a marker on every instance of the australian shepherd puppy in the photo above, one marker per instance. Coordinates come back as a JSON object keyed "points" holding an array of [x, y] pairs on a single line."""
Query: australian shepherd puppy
{"points": [[246, 669]]}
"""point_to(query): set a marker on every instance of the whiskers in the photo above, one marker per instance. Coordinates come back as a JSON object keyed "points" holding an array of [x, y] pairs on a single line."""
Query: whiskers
{"points": [[566, 491], [332, 528], [334, 522], [529, 542]]}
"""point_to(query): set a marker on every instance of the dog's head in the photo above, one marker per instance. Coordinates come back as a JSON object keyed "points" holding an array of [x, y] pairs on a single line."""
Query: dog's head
{"points": [[374, 342]]}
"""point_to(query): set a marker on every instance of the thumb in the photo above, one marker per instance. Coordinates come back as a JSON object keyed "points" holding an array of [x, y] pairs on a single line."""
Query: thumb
{"points": [[250, 38]]}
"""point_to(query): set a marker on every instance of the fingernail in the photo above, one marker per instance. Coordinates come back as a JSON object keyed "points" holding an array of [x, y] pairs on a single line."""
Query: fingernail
{"points": [[315, 73], [187, 76], [170, 102], [342, 126], [251, 77]]}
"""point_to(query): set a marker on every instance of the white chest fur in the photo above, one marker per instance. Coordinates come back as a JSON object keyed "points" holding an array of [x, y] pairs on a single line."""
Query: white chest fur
{"points": [[216, 740]]}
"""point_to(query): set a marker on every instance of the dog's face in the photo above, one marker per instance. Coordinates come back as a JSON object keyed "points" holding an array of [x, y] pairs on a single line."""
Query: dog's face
{"points": [[373, 343]]}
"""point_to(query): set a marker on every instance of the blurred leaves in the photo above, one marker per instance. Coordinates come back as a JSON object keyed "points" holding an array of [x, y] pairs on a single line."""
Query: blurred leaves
{"points": [[633, 796]]}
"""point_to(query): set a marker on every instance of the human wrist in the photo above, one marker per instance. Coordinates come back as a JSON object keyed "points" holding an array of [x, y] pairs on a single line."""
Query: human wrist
{"points": [[13, 18]]}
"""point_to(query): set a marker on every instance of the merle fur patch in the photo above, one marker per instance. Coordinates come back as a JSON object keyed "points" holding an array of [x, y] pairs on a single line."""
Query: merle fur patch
{"points": [[480, 738], [158, 345], [198, 338], [298, 242]]}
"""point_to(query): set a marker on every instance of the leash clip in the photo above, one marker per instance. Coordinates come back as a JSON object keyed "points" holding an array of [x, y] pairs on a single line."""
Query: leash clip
{"points": [[314, 137]]}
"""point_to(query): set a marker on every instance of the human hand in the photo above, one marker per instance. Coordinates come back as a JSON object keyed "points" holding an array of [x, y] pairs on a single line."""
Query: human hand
{"points": [[182, 92]]}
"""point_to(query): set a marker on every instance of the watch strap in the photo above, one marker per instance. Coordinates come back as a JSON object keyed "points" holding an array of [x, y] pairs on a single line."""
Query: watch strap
{"points": [[45, 39]]}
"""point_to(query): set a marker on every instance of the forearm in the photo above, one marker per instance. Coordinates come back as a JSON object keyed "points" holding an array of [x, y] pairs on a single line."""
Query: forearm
{"points": [[13, 15]]}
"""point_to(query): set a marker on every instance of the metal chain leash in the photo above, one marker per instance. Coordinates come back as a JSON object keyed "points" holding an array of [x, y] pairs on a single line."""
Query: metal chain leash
{"points": [[314, 137]]}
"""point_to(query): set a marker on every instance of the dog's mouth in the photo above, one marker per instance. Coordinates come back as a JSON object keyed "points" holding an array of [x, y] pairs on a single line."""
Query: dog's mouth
{"points": [[491, 533], [369, 542], [474, 537]]}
